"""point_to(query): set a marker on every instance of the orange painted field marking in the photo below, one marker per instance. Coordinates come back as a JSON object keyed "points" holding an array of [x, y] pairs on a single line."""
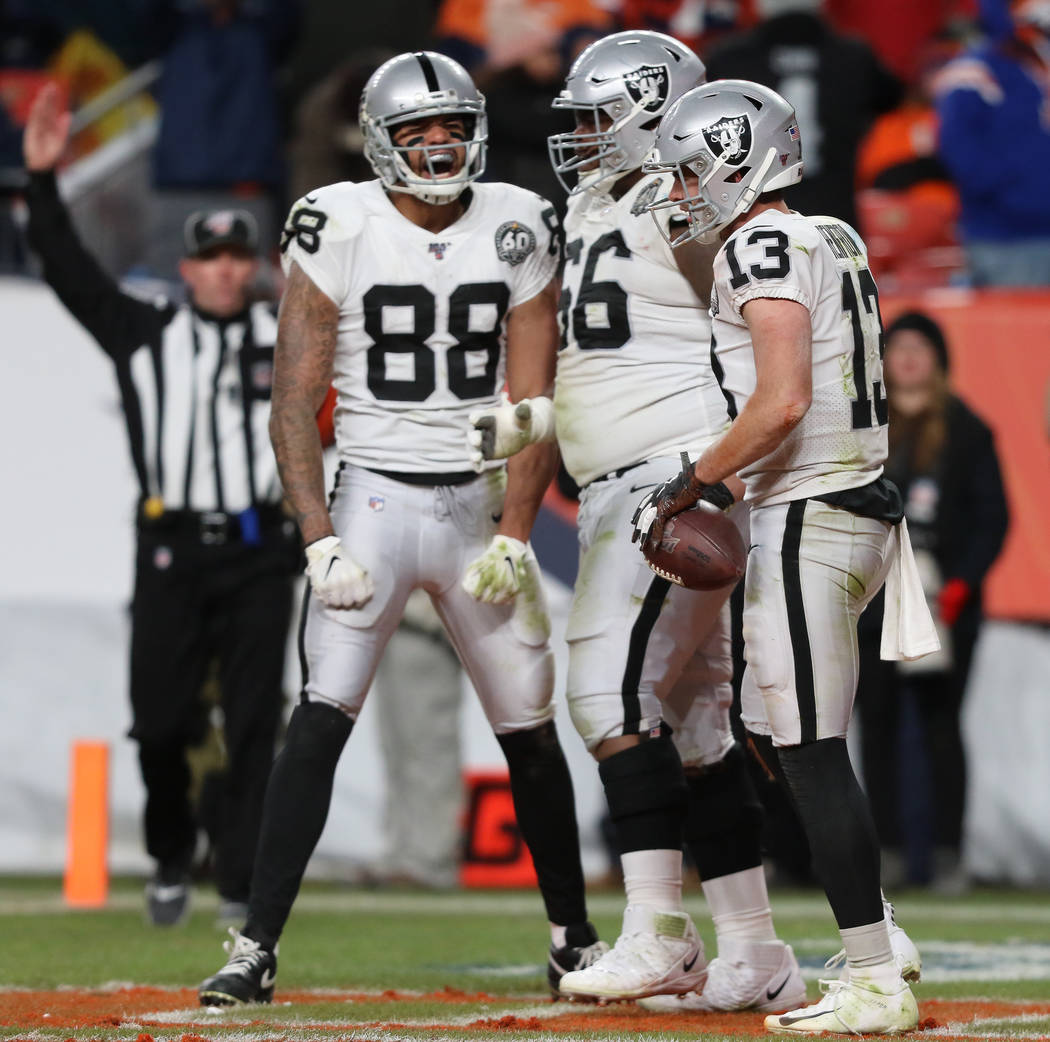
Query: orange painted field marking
{"points": [[90, 1010]]}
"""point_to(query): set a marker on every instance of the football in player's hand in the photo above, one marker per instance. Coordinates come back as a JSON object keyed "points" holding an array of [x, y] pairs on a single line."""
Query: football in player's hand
{"points": [[701, 550]]}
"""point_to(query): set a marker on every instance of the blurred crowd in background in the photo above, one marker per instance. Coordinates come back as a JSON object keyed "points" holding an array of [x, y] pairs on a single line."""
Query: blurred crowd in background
{"points": [[927, 125]]}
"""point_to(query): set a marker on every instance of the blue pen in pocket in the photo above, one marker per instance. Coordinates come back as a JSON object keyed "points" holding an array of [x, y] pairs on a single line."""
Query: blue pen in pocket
{"points": [[251, 532]]}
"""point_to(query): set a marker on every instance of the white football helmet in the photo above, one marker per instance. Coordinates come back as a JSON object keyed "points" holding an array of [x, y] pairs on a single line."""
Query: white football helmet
{"points": [[413, 86], [631, 78], [739, 138]]}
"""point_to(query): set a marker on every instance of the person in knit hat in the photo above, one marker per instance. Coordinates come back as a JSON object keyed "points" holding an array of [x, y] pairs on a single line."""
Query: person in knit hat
{"points": [[942, 458]]}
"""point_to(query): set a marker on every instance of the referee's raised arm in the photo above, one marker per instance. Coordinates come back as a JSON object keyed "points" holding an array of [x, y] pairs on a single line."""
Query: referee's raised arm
{"points": [[118, 321]]}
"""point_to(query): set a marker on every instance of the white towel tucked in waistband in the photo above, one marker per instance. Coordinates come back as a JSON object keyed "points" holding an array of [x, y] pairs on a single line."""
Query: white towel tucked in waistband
{"points": [[908, 631]]}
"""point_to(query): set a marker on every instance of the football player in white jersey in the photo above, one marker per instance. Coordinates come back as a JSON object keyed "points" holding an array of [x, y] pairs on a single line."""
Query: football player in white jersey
{"points": [[647, 658], [417, 295], [797, 344]]}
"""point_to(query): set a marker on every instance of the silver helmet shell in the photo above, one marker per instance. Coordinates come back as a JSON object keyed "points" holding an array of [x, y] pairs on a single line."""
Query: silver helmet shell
{"points": [[630, 79], [413, 86], [739, 138]]}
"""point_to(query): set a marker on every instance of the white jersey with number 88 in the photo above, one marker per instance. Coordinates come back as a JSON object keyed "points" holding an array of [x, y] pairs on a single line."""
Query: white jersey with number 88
{"points": [[422, 315]]}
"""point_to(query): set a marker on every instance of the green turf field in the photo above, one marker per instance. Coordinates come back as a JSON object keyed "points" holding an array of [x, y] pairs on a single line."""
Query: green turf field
{"points": [[430, 949]]}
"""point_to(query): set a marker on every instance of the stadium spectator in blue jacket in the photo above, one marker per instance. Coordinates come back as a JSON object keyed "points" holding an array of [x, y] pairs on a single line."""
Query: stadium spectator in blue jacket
{"points": [[995, 139], [220, 130]]}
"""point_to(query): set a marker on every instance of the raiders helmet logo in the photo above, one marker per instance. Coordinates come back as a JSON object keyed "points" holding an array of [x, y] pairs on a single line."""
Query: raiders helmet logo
{"points": [[648, 85], [730, 138], [514, 242]]}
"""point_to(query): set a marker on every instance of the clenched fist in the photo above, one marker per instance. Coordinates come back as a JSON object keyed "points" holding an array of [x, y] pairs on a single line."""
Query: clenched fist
{"points": [[496, 576], [336, 577]]}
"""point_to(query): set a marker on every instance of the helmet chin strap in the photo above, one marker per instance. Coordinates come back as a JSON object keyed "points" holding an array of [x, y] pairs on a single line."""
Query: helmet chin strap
{"points": [[751, 193], [428, 197], [413, 185], [633, 111], [747, 197]]}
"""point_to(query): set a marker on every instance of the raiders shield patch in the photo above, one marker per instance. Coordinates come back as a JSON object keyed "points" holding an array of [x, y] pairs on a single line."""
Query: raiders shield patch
{"points": [[648, 85], [514, 242], [730, 138], [645, 197]]}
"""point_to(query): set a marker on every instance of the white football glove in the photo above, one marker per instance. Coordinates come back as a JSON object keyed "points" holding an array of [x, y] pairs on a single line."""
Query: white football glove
{"points": [[644, 518], [496, 576], [336, 578], [508, 428]]}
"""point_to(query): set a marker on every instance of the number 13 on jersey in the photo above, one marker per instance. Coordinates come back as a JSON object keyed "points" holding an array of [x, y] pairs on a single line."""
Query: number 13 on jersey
{"points": [[860, 301]]}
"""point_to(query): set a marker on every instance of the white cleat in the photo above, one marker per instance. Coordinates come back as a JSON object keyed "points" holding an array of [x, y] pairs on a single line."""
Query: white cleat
{"points": [[905, 954], [851, 1008], [657, 953], [747, 975]]}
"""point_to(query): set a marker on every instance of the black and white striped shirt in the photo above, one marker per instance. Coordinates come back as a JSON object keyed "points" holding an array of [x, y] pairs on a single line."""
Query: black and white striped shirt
{"points": [[195, 388]]}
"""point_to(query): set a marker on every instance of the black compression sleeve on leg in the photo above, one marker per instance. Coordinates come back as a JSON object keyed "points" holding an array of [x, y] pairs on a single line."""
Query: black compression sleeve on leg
{"points": [[545, 806], [838, 824], [764, 753], [723, 825], [646, 792], [294, 812]]}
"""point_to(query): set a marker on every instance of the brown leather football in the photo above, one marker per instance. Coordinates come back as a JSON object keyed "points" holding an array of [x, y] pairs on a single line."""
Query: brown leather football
{"points": [[701, 550]]}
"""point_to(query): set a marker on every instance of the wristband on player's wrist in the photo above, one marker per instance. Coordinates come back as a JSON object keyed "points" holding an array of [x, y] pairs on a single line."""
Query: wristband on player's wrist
{"points": [[718, 495]]}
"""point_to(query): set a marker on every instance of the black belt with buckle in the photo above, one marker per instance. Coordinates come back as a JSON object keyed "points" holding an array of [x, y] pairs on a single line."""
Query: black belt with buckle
{"points": [[211, 527], [617, 473], [215, 528], [428, 479]]}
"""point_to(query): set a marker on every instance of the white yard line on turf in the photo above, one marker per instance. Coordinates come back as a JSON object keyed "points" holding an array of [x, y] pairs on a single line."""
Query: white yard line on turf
{"points": [[372, 902]]}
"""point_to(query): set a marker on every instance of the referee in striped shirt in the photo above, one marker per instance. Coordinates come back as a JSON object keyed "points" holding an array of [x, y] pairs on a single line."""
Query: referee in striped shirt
{"points": [[216, 554]]}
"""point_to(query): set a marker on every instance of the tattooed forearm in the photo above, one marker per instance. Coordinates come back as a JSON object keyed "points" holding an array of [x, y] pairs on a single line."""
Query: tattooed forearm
{"points": [[306, 336]]}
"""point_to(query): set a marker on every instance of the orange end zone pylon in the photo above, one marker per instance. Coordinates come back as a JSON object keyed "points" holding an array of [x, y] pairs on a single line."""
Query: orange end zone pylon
{"points": [[87, 831]]}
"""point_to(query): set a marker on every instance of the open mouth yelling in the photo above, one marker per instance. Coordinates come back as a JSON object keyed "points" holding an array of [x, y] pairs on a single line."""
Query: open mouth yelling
{"points": [[441, 163]]}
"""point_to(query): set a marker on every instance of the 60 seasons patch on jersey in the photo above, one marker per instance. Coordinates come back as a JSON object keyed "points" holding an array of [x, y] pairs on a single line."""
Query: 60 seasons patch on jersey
{"points": [[514, 242]]}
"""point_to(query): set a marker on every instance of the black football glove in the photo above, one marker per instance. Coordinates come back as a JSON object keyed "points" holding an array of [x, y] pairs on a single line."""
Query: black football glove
{"points": [[672, 497]]}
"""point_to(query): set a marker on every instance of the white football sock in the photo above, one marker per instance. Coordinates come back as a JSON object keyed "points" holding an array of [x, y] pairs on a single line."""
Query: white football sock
{"points": [[739, 906], [653, 878], [870, 956]]}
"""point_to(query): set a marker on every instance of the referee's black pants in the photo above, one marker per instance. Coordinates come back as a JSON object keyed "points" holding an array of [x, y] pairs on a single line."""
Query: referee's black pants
{"points": [[194, 601]]}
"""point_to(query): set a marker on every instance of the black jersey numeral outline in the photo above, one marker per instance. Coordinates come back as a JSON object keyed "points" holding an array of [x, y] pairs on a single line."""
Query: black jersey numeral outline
{"points": [[871, 409], [617, 330], [776, 250], [424, 379], [304, 225]]}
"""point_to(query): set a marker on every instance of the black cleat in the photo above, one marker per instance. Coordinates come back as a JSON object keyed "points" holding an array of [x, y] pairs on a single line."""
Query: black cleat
{"points": [[581, 948], [248, 975], [167, 899]]}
